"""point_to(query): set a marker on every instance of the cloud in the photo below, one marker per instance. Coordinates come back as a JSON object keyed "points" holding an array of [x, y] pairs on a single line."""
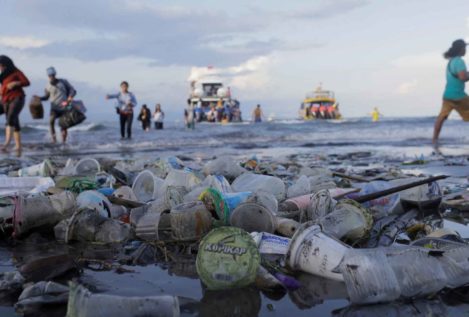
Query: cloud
{"points": [[327, 9], [140, 28], [22, 42], [224, 73], [407, 87], [166, 34]]}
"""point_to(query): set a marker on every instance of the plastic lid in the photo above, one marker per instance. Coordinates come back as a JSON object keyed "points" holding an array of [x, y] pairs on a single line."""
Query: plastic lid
{"points": [[228, 258]]}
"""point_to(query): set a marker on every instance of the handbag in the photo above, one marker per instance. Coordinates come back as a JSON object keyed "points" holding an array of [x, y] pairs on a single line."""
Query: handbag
{"points": [[36, 108], [71, 118]]}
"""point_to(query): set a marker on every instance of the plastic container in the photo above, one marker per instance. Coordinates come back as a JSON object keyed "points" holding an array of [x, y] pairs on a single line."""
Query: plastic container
{"points": [[287, 227], [415, 308], [125, 192], [253, 217], [41, 293], [119, 212], [301, 187], [94, 200], [303, 202], [320, 204], [381, 206], [87, 166], [349, 220], [82, 303], [13, 185], [271, 243], [218, 182], [228, 258], [221, 205], [256, 182], [44, 169], [42, 211], [88, 225], [418, 193], [385, 274], [174, 196], [182, 178], [190, 221], [315, 290], [265, 199], [314, 252], [147, 225], [417, 272], [147, 186], [369, 277], [225, 166]]}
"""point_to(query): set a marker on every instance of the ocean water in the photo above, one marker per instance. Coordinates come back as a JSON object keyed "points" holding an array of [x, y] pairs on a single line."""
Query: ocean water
{"points": [[399, 137]]}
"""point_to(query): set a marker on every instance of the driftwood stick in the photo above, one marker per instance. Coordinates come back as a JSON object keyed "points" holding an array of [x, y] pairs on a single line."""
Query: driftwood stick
{"points": [[389, 191]]}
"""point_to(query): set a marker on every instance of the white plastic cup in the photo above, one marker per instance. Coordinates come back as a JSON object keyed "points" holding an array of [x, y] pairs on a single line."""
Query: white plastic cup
{"points": [[43, 169], [87, 166], [314, 252], [125, 192], [147, 186]]}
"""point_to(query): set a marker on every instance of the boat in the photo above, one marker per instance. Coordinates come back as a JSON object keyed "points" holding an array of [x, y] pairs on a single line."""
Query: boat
{"points": [[213, 102], [320, 104]]}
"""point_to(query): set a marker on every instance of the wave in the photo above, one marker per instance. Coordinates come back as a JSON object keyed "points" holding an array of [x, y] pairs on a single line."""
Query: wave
{"points": [[89, 127], [28, 128], [31, 127]]}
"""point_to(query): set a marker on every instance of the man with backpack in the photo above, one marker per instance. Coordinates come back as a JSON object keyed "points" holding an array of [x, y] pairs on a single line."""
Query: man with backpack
{"points": [[60, 93]]}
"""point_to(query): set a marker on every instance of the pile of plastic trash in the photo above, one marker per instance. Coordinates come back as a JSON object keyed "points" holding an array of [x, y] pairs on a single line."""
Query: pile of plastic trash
{"points": [[377, 236]]}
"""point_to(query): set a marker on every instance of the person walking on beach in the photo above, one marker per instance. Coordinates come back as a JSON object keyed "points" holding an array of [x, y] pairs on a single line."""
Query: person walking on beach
{"points": [[220, 110], [454, 97], [126, 102], [145, 118], [12, 81], [60, 93], [158, 117], [189, 115], [257, 114], [198, 111]]}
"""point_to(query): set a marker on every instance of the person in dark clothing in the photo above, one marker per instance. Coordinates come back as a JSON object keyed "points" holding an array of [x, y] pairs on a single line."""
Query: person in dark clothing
{"points": [[12, 81], [60, 93], [145, 118], [126, 102]]}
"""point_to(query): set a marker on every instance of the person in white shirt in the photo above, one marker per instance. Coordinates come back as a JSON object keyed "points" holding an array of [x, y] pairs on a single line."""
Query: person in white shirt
{"points": [[126, 102], [158, 117]]}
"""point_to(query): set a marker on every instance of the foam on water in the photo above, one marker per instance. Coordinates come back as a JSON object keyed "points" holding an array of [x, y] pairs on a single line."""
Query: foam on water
{"points": [[390, 133]]}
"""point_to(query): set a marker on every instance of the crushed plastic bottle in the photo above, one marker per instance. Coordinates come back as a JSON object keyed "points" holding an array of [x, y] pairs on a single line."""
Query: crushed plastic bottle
{"points": [[82, 303]]}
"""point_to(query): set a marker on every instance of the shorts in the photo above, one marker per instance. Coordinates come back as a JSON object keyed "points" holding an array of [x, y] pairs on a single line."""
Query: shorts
{"points": [[461, 106], [12, 110]]}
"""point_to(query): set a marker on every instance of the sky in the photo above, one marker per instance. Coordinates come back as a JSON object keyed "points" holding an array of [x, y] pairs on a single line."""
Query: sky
{"points": [[386, 54]]}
